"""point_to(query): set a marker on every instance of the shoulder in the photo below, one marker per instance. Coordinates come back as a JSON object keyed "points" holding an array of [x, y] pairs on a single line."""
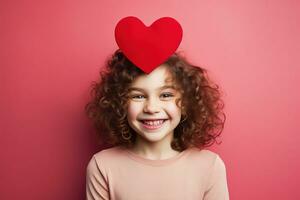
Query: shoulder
{"points": [[108, 153], [206, 158], [106, 157]]}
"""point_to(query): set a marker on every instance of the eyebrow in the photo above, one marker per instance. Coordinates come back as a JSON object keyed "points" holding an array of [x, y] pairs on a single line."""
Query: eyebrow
{"points": [[160, 88]]}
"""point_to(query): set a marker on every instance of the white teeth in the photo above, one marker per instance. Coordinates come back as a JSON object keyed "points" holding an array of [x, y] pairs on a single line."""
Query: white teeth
{"points": [[153, 122]]}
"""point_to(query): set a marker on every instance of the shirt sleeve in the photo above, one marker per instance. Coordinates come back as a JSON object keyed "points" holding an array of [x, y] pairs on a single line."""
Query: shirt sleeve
{"points": [[96, 184], [217, 184]]}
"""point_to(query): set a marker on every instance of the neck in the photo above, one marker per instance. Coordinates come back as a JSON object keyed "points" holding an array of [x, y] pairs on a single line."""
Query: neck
{"points": [[154, 150]]}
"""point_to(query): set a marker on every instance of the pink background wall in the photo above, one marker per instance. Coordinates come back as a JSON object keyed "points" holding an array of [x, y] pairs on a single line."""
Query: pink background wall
{"points": [[52, 50]]}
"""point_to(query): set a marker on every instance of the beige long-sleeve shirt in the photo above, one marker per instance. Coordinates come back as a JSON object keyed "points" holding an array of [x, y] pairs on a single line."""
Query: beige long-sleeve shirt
{"points": [[119, 174]]}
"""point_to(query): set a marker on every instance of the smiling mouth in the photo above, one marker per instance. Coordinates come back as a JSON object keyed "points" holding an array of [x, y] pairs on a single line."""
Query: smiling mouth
{"points": [[153, 124]]}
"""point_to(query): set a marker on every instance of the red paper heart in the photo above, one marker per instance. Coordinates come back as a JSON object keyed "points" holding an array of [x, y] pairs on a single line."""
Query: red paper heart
{"points": [[148, 47]]}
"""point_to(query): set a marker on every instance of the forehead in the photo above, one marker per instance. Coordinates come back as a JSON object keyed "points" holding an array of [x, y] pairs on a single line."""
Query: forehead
{"points": [[158, 77]]}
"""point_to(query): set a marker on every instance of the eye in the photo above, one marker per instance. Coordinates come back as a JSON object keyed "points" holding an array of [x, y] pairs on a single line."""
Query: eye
{"points": [[167, 95], [164, 95], [135, 96]]}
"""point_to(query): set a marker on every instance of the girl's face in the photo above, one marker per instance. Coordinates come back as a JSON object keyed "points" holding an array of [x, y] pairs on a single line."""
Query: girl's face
{"points": [[152, 110]]}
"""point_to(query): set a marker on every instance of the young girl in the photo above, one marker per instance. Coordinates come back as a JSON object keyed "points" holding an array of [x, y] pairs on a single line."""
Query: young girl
{"points": [[155, 127]]}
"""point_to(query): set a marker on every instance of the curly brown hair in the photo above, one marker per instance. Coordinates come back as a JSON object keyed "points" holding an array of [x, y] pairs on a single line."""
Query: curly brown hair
{"points": [[201, 103]]}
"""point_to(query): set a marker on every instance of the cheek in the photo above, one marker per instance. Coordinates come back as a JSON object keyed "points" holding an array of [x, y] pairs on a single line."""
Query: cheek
{"points": [[133, 110], [173, 110]]}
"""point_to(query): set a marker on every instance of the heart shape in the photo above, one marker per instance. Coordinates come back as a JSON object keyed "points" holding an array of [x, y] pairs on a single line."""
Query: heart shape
{"points": [[148, 47]]}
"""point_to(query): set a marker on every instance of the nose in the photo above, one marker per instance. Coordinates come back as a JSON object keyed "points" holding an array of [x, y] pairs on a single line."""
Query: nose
{"points": [[151, 105]]}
